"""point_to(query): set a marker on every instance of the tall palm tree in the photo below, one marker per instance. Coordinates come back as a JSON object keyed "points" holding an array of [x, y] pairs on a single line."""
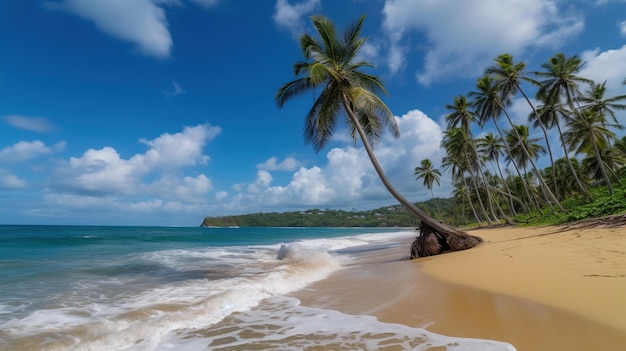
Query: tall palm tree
{"points": [[346, 91], [509, 75], [523, 148], [429, 174], [594, 99], [491, 148], [459, 147], [461, 117], [588, 132], [551, 113], [561, 85], [560, 79], [489, 106], [454, 163]]}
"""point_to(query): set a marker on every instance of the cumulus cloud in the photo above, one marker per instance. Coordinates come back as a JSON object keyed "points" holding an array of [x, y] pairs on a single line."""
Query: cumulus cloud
{"points": [[272, 164], [141, 22], [290, 16], [178, 150], [10, 181], [26, 150], [348, 177], [463, 37], [103, 172], [605, 66], [622, 28], [36, 124], [263, 180]]}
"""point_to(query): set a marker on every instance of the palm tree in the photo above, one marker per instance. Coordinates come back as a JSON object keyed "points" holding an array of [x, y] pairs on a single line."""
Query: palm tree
{"points": [[561, 82], [560, 79], [523, 148], [453, 163], [491, 148], [428, 174], [588, 133], [594, 99], [489, 107], [346, 91], [551, 113], [460, 137], [508, 77]]}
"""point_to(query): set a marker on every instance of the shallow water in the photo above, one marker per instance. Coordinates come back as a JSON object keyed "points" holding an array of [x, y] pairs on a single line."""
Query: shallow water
{"points": [[143, 288]]}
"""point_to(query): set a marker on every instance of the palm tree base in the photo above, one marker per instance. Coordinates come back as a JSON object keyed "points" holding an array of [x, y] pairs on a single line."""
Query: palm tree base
{"points": [[431, 242]]}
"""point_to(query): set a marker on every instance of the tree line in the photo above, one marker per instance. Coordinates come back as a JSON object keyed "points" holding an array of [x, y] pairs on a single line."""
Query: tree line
{"points": [[495, 176]]}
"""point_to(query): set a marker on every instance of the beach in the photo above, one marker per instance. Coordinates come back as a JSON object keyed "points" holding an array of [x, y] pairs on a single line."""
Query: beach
{"points": [[224, 289], [541, 288]]}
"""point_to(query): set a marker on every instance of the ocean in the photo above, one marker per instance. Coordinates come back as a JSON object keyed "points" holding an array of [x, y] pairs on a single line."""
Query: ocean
{"points": [[188, 289]]}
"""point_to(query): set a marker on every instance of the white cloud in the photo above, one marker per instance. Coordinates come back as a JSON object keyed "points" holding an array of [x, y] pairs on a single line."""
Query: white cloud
{"points": [[104, 172], [178, 150], [622, 28], [605, 66], [26, 150], [11, 181], [263, 180], [464, 36], [189, 189], [291, 16], [141, 22], [220, 195], [177, 90], [349, 179], [36, 124], [288, 164]]}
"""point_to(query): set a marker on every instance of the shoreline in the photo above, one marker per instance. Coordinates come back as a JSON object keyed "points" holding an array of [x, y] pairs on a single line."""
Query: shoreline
{"points": [[521, 286]]}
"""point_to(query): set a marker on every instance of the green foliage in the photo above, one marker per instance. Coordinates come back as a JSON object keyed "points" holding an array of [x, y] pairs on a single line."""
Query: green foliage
{"points": [[604, 204]]}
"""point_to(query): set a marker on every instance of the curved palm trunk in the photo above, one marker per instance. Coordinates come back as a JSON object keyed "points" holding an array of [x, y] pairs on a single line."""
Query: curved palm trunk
{"points": [[601, 164], [545, 135], [455, 239], [569, 163], [508, 190], [542, 184], [469, 200], [571, 167], [508, 150], [484, 180], [512, 197], [477, 192]]}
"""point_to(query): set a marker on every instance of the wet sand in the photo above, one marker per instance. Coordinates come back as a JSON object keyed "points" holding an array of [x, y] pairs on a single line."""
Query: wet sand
{"points": [[547, 288]]}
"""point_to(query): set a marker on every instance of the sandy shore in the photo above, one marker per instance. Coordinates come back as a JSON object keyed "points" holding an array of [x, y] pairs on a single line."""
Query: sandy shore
{"points": [[546, 288]]}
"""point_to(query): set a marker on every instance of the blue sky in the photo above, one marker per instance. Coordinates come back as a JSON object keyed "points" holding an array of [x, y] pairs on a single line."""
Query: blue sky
{"points": [[162, 112]]}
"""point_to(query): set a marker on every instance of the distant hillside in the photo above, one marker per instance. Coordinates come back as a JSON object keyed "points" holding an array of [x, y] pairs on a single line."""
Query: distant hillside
{"points": [[390, 216]]}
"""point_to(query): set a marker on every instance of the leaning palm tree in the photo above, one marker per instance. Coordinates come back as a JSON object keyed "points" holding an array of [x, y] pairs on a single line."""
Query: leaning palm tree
{"points": [[459, 132], [489, 107], [595, 100], [491, 147], [551, 114], [524, 149], [508, 76], [589, 133], [349, 93]]}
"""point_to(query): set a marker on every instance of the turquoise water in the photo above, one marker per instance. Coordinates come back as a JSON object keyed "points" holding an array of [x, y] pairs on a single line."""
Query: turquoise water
{"points": [[156, 288]]}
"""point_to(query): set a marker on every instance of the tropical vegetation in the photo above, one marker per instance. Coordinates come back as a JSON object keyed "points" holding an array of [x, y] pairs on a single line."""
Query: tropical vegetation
{"points": [[495, 176]]}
